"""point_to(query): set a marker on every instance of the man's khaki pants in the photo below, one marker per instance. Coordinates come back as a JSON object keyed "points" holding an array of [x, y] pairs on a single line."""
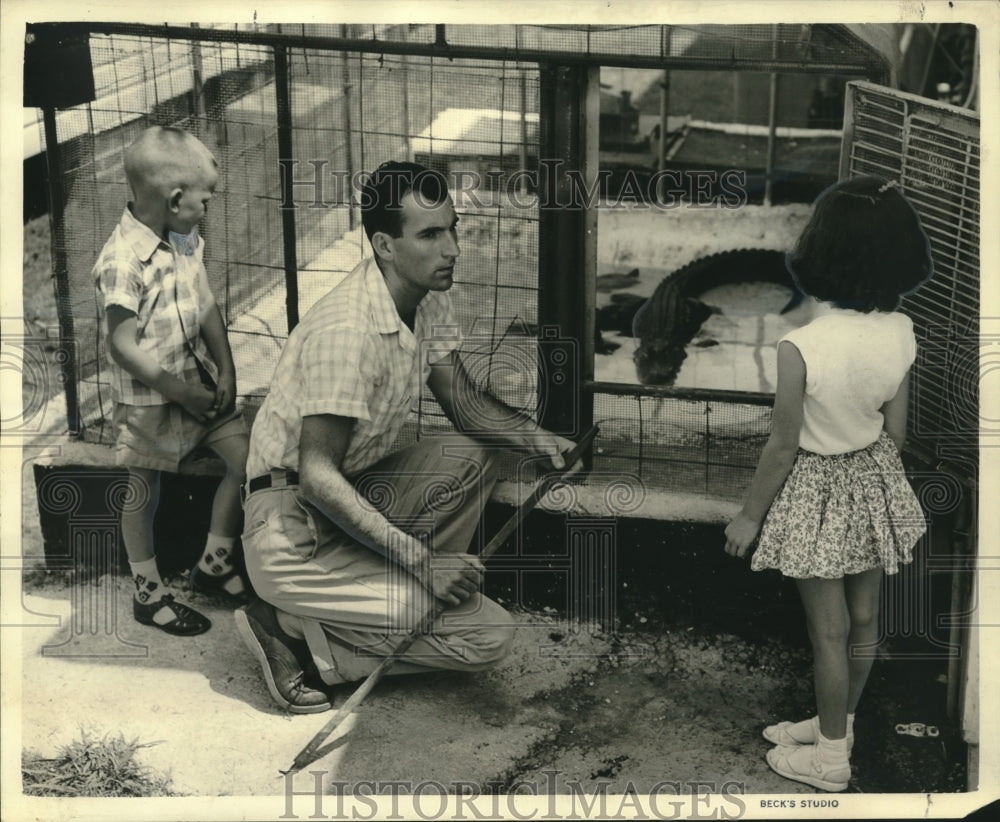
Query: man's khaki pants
{"points": [[355, 605]]}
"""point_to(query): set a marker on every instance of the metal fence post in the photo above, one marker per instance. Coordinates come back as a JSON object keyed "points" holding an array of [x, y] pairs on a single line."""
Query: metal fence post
{"points": [[282, 96], [567, 241], [346, 95], [772, 121], [60, 269], [197, 85]]}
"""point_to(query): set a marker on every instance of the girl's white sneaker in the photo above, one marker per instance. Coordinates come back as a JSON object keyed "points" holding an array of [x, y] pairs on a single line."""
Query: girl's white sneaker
{"points": [[804, 763], [794, 734]]}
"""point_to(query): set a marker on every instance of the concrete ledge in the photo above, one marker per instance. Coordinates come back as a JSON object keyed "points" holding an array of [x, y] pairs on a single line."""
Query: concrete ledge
{"points": [[632, 501], [95, 455], [79, 492], [621, 501]]}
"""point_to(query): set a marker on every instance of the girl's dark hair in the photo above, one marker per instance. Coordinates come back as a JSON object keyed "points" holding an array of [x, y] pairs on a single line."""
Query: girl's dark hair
{"points": [[383, 192], [863, 247]]}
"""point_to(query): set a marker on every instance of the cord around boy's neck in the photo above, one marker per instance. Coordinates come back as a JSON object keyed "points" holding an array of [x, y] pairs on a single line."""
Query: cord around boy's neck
{"points": [[151, 217]]}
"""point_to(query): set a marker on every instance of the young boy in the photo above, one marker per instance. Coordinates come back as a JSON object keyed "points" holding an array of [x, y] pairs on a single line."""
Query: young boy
{"points": [[171, 368]]}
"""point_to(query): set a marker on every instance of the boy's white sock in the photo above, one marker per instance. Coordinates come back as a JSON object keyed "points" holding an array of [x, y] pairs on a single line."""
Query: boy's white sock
{"points": [[217, 560], [148, 585], [149, 588]]}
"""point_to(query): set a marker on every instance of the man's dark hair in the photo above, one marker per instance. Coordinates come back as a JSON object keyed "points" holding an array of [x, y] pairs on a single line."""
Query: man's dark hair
{"points": [[383, 192], [863, 247]]}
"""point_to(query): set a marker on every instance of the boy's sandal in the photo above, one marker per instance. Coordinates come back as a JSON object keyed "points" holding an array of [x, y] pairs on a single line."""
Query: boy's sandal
{"points": [[214, 584], [186, 621]]}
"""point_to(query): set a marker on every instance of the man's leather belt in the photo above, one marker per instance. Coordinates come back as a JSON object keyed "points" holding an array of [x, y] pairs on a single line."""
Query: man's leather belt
{"points": [[273, 479]]}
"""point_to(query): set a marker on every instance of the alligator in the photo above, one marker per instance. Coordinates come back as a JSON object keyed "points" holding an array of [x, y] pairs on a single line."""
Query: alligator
{"points": [[669, 319]]}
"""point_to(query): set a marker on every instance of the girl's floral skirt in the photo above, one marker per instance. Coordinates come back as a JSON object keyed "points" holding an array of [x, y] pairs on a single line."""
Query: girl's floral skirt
{"points": [[842, 514]]}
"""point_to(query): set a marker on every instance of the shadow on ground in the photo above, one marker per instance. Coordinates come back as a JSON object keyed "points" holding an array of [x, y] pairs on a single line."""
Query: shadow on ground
{"points": [[703, 655]]}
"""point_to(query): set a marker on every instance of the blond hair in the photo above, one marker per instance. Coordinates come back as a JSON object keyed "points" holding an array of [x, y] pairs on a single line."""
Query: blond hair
{"points": [[164, 158]]}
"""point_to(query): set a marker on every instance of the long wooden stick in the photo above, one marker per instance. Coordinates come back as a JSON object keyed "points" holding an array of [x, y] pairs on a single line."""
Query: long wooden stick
{"points": [[308, 754]]}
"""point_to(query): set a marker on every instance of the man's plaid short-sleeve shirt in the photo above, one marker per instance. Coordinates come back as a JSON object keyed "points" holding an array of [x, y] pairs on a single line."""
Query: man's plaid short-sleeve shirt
{"points": [[158, 281], [351, 356]]}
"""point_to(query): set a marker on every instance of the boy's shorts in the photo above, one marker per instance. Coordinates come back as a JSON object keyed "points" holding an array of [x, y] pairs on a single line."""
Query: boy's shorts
{"points": [[160, 436]]}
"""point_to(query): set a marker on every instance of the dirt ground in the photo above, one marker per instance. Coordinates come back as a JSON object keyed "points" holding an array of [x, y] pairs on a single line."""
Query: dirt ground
{"points": [[703, 656]]}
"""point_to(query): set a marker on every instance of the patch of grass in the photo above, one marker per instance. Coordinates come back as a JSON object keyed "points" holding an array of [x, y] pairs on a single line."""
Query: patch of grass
{"points": [[93, 767]]}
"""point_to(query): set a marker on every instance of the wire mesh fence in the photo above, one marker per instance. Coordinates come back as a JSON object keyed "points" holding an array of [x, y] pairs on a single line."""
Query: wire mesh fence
{"points": [[350, 112], [142, 81], [682, 441], [346, 98]]}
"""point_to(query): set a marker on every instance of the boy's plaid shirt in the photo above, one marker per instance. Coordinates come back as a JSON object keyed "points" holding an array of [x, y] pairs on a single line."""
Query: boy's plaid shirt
{"points": [[159, 283]]}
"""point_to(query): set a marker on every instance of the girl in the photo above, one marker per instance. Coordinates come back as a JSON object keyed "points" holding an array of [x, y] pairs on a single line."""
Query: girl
{"points": [[838, 507]]}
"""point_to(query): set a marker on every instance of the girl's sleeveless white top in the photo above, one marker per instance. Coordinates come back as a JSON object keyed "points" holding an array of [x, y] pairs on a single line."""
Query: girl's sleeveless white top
{"points": [[855, 363]]}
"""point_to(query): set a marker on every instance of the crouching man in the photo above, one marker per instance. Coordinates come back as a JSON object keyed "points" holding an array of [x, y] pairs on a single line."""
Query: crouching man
{"points": [[347, 540]]}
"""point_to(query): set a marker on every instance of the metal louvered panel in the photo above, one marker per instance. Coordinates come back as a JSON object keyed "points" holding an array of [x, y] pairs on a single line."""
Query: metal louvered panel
{"points": [[932, 150]]}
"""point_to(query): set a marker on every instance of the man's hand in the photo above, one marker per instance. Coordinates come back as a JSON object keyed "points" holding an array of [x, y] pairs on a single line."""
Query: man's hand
{"points": [[225, 392], [453, 578], [556, 448], [474, 410], [199, 402], [740, 535], [545, 444]]}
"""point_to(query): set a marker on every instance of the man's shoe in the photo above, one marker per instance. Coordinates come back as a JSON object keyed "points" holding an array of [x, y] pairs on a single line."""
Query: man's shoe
{"points": [[281, 659], [185, 622]]}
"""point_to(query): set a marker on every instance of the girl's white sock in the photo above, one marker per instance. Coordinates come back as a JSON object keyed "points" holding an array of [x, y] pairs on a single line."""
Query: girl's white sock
{"points": [[808, 730], [832, 751]]}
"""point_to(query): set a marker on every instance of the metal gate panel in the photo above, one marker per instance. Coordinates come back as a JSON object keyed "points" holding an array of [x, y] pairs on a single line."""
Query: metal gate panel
{"points": [[932, 150]]}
